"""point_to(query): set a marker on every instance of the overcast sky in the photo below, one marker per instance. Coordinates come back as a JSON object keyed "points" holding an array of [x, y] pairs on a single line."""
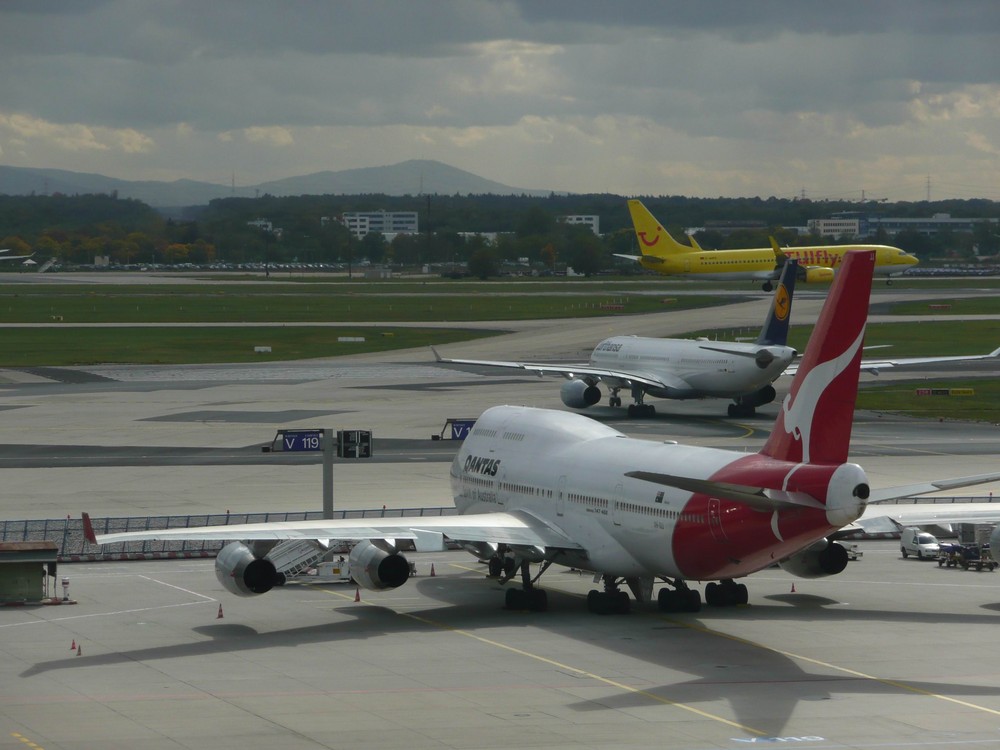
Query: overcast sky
{"points": [[723, 98]]}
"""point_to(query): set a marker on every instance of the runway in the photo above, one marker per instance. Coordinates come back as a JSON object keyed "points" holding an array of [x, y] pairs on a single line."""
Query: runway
{"points": [[890, 653]]}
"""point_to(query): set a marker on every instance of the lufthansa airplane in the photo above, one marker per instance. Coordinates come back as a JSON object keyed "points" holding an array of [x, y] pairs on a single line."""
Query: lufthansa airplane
{"points": [[677, 368], [663, 254], [537, 487]]}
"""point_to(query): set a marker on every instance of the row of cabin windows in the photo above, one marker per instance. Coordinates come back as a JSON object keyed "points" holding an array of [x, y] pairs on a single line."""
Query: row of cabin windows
{"points": [[517, 436], [728, 262], [645, 510], [525, 489], [590, 500]]}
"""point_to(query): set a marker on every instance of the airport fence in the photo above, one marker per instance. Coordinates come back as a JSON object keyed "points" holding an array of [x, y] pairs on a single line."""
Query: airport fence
{"points": [[68, 534]]}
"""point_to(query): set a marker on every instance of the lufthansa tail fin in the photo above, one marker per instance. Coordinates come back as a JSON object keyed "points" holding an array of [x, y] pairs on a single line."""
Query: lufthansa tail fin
{"points": [[775, 330], [814, 424], [654, 240]]}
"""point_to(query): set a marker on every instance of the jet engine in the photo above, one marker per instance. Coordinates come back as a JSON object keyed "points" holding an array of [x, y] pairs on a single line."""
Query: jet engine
{"points": [[822, 559], [242, 573], [819, 275], [374, 568], [759, 397], [995, 544], [579, 394]]}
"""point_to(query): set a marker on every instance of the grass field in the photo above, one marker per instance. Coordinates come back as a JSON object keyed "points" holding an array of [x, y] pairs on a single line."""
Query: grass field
{"points": [[338, 300], [905, 398], [55, 347], [266, 303]]}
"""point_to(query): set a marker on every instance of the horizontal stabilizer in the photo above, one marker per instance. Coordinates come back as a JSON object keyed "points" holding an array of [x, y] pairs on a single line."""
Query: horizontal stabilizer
{"points": [[637, 258], [753, 497], [937, 485]]}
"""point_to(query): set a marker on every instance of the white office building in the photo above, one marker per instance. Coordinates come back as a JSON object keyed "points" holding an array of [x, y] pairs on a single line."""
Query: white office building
{"points": [[593, 221], [384, 222]]}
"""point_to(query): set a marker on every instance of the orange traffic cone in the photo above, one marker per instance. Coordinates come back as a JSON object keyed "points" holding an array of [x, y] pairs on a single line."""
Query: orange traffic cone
{"points": [[72, 646], [793, 588], [79, 650], [219, 616], [357, 595], [432, 570]]}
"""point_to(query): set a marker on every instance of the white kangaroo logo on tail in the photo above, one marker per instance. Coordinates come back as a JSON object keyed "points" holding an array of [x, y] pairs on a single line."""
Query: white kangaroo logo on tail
{"points": [[798, 416]]}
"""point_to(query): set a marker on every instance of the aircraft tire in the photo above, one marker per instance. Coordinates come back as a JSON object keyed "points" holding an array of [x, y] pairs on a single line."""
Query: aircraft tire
{"points": [[495, 566], [742, 594], [712, 597]]}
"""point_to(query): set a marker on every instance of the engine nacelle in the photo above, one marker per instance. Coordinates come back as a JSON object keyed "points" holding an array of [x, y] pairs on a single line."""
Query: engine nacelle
{"points": [[579, 394], [374, 568], [242, 573], [760, 397], [819, 275], [818, 561], [995, 544]]}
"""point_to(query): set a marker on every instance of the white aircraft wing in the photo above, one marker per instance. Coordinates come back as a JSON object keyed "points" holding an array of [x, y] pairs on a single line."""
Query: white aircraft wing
{"points": [[4, 256], [517, 528], [571, 371], [874, 365]]}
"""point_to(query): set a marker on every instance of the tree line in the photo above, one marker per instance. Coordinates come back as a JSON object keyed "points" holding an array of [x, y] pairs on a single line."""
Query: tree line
{"points": [[76, 229]]}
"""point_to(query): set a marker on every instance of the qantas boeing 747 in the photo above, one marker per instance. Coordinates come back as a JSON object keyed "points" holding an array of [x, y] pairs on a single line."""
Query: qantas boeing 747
{"points": [[537, 487]]}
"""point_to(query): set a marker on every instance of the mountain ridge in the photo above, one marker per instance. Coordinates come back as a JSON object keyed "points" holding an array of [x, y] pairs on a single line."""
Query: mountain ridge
{"points": [[411, 177]]}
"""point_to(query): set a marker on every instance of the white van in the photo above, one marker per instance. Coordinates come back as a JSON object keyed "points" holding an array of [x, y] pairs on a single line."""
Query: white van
{"points": [[919, 543]]}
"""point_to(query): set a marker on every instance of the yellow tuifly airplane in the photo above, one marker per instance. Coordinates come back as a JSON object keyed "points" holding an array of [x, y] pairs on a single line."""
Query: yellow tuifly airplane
{"points": [[817, 263]]}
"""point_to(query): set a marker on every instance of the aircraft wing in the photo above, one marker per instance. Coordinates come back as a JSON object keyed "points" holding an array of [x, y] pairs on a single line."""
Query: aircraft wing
{"points": [[4, 256], [875, 365], [517, 528], [571, 371]]}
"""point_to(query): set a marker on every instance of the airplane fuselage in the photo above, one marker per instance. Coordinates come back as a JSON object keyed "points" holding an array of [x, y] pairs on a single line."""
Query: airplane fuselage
{"points": [[698, 366], [734, 265], [569, 471]]}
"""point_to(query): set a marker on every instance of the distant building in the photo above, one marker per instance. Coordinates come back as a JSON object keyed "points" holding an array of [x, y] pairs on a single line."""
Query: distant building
{"points": [[392, 223], [859, 225], [592, 221], [838, 227], [265, 225], [933, 225]]}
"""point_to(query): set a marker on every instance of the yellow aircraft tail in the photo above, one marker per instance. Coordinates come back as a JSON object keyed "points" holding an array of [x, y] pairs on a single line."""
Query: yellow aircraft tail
{"points": [[654, 240]]}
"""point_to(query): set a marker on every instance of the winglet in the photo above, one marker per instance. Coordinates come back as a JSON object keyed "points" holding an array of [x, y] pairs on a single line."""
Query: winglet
{"points": [[437, 356], [88, 529]]}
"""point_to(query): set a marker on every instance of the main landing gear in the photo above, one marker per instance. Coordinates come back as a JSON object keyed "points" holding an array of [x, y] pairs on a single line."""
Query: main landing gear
{"points": [[610, 599], [639, 410], [725, 593], [613, 601], [527, 597]]}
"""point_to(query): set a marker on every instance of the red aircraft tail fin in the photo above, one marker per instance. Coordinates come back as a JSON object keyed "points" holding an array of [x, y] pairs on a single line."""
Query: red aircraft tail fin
{"points": [[814, 424]]}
